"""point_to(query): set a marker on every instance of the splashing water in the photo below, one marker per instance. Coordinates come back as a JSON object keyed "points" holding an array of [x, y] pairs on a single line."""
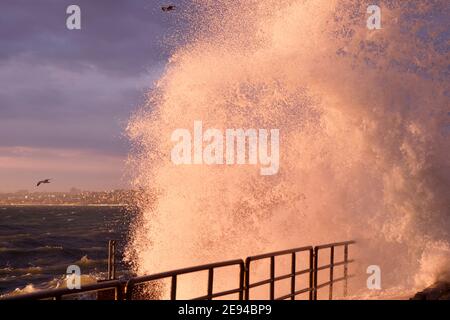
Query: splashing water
{"points": [[363, 145]]}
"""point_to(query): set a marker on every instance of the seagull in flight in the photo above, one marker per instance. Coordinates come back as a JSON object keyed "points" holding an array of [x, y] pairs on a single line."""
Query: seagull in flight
{"points": [[43, 182], [168, 8]]}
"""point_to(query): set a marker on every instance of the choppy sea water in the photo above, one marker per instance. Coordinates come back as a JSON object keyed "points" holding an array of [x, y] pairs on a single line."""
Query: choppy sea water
{"points": [[38, 243]]}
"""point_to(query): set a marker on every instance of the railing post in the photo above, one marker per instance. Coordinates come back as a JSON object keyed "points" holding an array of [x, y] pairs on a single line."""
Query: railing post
{"points": [[247, 279], [293, 270], [272, 278], [111, 259], [120, 290], [311, 274], [345, 270], [173, 289], [331, 272], [316, 264], [128, 290], [210, 282], [241, 281]]}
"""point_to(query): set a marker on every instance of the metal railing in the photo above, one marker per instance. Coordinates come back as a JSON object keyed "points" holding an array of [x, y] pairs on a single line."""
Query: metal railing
{"points": [[273, 279], [331, 266], [173, 275], [127, 289]]}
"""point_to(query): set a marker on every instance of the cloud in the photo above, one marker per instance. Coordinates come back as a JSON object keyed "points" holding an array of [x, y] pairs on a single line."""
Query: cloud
{"points": [[48, 106], [74, 90], [115, 37]]}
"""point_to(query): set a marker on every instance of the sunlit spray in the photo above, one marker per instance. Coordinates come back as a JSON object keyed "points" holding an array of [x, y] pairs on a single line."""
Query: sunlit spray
{"points": [[362, 152]]}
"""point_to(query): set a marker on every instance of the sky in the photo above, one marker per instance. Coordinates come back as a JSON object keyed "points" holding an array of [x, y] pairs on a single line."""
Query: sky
{"points": [[66, 95]]}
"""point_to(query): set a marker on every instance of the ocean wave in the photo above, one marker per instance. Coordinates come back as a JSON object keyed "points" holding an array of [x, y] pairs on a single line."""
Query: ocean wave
{"points": [[14, 236], [27, 271], [93, 249], [26, 250], [8, 278], [86, 261], [61, 268], [55, 283]]}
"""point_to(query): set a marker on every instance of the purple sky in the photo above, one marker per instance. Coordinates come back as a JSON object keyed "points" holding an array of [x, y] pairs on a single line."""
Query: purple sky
{"points": [[66, 96]]}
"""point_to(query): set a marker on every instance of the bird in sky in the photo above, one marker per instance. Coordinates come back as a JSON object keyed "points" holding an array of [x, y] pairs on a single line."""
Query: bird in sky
{"points": [[168, 8], [43, 182]]}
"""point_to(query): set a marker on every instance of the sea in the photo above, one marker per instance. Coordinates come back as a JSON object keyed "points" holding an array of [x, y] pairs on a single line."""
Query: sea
{"points": [[38, 243]]}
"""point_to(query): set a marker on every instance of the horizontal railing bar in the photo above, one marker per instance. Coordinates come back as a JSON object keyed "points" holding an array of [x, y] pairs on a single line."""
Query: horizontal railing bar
{"points": [[278, 278], [334, 281], [337, 244], [337, 264], [258, 284], [168, 274], [219, 294], [296, 293], [298, 273], [286, 276], [57, 293], [278, 253]]}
